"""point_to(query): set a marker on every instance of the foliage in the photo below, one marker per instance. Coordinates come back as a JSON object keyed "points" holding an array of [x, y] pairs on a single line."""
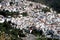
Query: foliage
{"points": [[41, 39], [46, 10], [46, 39], [11, 3], [12, 32], [24, 14], [1, 1], [6, 13], [55, 4], [37, 32]]}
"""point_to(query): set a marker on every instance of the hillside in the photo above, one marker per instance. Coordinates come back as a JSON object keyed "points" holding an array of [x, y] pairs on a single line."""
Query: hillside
{"points": [[52, 3]]}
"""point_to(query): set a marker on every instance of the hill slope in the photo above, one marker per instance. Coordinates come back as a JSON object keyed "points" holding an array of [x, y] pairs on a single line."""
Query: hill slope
{"points": [[55, 4]]}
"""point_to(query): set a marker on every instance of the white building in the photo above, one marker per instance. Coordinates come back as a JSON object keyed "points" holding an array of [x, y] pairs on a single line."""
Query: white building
{"points": [[2, 19]]}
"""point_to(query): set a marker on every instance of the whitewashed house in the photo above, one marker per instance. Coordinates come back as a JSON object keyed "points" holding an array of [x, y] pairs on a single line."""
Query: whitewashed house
{"points": [[8, 18], [2, 19]]}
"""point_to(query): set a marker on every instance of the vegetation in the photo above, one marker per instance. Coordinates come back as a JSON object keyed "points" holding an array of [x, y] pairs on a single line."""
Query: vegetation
{"points": [[41, 39], [55, 4], [6, 13], [7, 31], [38, 33], [24, 14], [1, 1], [11, 3], [46, 39], [46, 10]]}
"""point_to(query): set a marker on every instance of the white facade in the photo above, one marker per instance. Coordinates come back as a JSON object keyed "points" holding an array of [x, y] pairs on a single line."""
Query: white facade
{"points": [[2, 19]]}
